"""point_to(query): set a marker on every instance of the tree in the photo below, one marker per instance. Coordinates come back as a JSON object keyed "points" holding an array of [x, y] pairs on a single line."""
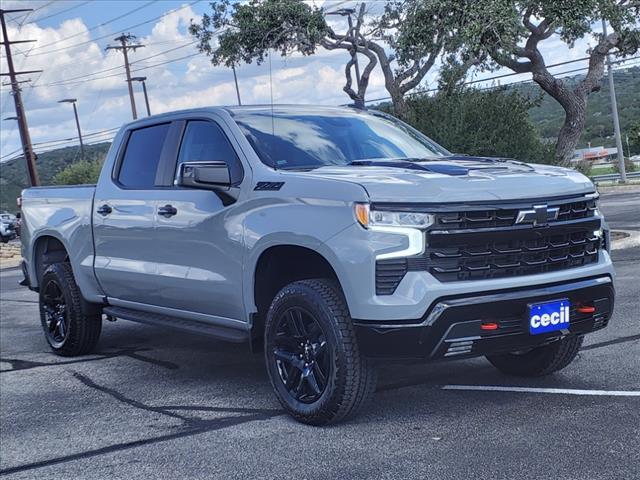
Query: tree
{"points": [[491, 123], [510, 33], [79, 173], [414, 31]]}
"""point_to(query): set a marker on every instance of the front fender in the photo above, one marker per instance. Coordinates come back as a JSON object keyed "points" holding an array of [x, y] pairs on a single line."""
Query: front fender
{"points": [[290, 222]]}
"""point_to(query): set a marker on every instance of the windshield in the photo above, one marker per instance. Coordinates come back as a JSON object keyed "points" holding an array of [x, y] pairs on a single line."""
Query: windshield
{"points": [[290, 140]]}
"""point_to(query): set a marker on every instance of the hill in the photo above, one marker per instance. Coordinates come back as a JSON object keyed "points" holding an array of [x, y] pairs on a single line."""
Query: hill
{"points": [[13, 174], [549, 115]]}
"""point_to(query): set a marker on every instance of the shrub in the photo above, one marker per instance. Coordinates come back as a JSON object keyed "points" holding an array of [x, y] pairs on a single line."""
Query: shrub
{"points": [[492, 123], [79, 173]]}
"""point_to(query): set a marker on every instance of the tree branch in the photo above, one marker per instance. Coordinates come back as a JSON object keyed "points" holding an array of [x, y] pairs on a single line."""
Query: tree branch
{"points": [[591, 81], [417, 78]]}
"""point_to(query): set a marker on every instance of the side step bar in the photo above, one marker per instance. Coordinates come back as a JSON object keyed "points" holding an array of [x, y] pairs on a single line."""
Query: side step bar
{"points": [[191, 326]]}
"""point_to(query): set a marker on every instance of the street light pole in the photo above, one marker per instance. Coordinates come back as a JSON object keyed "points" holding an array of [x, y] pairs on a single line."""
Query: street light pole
{"points": [[614, 114], [73, 101], [235, 79], [144, 89]]}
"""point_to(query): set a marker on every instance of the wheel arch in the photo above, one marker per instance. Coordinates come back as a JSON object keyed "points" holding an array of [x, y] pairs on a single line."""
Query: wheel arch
{"points": [[47, 249], [279, 265]]}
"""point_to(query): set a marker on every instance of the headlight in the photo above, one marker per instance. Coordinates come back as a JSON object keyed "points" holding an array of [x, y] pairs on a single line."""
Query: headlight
{"points": [[384, 218]]}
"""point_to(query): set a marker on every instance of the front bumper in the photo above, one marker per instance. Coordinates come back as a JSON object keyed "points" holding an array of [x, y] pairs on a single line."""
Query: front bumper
{"points": [[451, 326]]}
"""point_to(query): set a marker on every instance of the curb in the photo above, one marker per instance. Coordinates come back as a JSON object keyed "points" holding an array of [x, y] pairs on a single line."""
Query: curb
{"points": [[10, 263], [632, 240]]}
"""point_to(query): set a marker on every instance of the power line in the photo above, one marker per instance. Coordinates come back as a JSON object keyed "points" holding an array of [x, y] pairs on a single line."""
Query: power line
{"points": [[60, 12], [28, 14], [40, 152], [87, 75], [48, 143], [73, 80], [91, 29], [509, 75], [92, 40], [147, 67]]}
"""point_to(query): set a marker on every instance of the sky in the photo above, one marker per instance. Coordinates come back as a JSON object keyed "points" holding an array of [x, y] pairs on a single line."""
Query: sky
{"points": [[70, 48]]}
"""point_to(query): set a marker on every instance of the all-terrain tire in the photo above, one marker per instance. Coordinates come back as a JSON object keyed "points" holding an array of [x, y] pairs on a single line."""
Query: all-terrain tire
{"points": [[81, 332], [539, 361], [352, 378]]}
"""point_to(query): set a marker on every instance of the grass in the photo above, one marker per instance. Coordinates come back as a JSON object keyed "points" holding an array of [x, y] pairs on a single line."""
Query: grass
{"points": [[602, 170]]}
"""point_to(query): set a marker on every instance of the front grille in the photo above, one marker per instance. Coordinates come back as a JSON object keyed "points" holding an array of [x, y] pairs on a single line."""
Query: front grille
{"points": [[486, 243], [450, 256], [505, 217]]}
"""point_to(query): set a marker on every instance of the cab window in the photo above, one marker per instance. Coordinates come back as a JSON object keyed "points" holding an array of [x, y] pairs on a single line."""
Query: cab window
{"points": [[205, 141]]}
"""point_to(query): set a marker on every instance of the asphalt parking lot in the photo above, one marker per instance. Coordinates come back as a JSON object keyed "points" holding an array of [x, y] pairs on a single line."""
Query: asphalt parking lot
{"points": [[153, 403]]}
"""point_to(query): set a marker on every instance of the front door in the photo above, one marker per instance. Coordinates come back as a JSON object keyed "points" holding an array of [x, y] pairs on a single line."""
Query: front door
{"points": [[197, 244]]}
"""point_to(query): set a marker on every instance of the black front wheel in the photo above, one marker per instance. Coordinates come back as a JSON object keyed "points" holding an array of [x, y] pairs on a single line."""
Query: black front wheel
{"points": [[67, 329], [312, 354]]}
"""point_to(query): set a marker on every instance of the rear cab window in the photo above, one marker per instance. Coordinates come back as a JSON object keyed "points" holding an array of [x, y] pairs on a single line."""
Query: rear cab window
{"points": [[139, 164]]}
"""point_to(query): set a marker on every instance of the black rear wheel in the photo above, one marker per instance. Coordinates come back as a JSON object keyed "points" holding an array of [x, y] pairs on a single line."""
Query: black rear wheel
{"points": [[312, 354], [67, 329], [54, 306]]}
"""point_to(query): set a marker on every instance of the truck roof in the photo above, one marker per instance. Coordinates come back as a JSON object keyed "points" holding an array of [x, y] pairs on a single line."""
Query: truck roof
{"points": [[280, 108]]}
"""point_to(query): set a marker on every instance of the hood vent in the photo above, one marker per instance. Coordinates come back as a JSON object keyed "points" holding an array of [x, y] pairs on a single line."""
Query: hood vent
{"points": [[454, 165]]}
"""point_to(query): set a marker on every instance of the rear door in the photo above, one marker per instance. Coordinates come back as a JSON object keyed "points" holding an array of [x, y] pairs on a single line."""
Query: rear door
{"points": [[124, 216]]}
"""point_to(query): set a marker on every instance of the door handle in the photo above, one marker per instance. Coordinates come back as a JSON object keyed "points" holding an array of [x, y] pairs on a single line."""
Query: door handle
{"points": [[168, 211], [104, 210]]}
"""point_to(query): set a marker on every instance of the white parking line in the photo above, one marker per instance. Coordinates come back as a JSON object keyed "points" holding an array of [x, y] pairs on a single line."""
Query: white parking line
{"points": [[561, 391]]}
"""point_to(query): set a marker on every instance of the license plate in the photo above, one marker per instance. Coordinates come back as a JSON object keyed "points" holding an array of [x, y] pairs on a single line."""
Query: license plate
{"points": [[549, 316]]}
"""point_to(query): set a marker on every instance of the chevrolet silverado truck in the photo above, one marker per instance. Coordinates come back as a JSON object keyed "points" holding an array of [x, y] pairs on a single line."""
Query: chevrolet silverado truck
{"points": [[331, 239]]}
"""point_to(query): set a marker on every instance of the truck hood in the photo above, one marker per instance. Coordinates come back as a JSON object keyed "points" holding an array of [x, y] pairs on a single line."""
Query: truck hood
{"points": [[458, 179]]}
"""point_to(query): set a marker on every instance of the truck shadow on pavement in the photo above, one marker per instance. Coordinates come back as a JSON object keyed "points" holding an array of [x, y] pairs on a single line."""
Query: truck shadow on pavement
{"points": [[190, 425]]}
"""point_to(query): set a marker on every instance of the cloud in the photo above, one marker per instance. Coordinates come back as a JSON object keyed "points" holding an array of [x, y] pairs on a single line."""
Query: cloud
{"points": [[191, 82]]}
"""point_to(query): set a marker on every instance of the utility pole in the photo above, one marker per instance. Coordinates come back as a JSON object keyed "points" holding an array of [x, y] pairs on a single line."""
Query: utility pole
{"points": [[144, 90], [235, 79], [125, 45], [73, 101], [614, 114], [25, 138]]}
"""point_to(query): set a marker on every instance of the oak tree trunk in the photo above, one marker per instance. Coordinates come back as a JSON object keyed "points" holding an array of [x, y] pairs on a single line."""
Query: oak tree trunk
{"points": [[569, 136], [400, 107]]}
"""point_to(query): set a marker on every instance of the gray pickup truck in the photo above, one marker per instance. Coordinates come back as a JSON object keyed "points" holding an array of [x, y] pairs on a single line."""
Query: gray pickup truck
{"points": [[332, 239]]}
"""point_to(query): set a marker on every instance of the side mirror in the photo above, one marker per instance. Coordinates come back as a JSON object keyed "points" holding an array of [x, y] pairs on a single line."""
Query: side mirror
{"points": [[204, 175]]}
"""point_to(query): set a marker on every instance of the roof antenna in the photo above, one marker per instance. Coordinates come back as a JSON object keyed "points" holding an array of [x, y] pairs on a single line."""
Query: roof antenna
{"points": [[273, 130], [273, 127]]}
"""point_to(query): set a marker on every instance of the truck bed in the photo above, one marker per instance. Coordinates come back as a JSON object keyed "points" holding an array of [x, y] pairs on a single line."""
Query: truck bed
{"points": [[62, 213]]}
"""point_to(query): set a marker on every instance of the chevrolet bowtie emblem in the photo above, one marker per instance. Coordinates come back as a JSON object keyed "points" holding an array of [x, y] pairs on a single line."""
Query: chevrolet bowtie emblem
{"points": [[538, 215]]}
